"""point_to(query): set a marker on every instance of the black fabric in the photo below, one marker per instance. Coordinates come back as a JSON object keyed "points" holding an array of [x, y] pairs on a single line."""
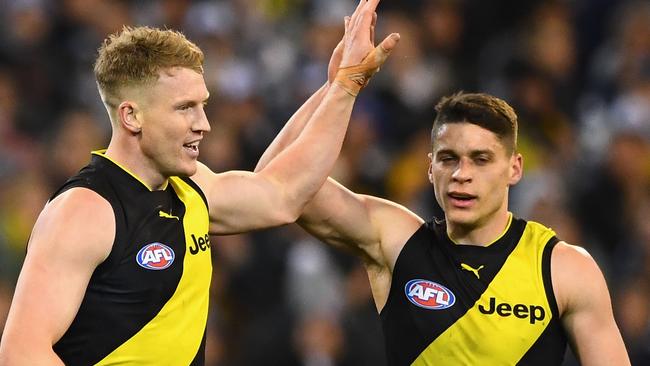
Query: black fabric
{"points": [[121, 296], [429, 254]]}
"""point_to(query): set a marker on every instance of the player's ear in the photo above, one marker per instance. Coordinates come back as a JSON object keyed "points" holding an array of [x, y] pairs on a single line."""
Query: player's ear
{"points": [[127, 114], [430, 155], [516, 168]]}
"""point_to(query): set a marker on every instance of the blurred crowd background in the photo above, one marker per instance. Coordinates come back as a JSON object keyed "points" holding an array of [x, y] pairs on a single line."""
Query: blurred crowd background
{"points": [[576, 71]]}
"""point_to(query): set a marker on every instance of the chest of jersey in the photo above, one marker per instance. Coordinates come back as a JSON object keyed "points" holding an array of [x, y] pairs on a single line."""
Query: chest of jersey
{"points": [[467, 305], [151, 293]]}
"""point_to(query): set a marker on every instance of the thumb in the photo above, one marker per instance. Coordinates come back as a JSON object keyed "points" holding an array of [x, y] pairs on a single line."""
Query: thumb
{"points": [[389, 43]]}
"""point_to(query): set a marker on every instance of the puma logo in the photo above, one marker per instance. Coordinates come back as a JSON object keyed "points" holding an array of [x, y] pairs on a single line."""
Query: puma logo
{"points": [[165, 215], [470, 269]]}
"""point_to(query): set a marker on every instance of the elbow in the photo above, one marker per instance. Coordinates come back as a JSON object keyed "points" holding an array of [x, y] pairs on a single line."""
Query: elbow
{"points": [[289, 214], [290, 211]]}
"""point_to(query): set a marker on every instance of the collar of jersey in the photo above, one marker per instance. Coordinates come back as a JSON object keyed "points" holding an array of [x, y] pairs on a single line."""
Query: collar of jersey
{"points": [[102, 153], [498, 237]]}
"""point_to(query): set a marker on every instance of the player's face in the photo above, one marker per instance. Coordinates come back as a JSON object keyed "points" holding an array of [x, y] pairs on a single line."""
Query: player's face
{"points": [[173, 121], [471, 171]]}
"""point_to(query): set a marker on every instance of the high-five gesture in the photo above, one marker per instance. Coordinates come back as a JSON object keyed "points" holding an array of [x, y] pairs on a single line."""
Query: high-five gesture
{"points": [[359, 57]]}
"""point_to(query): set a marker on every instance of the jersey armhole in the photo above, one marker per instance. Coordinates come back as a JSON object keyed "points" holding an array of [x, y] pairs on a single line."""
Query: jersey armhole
{"points": [[546, 275], [196, 187], [421, 231]]}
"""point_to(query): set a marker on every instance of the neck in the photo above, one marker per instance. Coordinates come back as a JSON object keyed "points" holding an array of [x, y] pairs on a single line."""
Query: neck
{"points": [[481, 234], [132, 159]]}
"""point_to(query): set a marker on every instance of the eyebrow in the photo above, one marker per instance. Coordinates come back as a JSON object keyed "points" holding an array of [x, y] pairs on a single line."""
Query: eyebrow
{"points": [[472, 153], [445, 152], [487, 152], [191, 102]]}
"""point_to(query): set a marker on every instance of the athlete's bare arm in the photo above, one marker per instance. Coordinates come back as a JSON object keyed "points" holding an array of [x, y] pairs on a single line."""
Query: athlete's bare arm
{"points": [[276, 194], [585, 307], [372, 228], [71, 237]]}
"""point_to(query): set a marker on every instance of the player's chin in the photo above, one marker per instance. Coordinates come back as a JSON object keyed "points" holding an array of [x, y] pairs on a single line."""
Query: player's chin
{"points": [[461, 217], [187, 169]]}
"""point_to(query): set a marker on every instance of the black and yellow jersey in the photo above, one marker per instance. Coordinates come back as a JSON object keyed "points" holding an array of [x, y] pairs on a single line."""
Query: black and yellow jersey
{"points": [[147, 303], [452, 304]]}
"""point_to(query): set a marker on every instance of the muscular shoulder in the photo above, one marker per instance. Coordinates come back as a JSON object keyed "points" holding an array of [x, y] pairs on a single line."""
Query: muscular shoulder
{"points": [[209, 181], [78, 220], [396, 224], [203, 176], [576, 276]]}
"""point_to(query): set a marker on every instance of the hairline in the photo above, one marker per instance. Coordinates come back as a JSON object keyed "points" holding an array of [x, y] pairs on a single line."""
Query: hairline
{"points": [[437, 125]]}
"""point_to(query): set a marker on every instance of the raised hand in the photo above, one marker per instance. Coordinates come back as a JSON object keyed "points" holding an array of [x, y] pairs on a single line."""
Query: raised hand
{"points": [[337, 54], [359, 57], [335, 62]]}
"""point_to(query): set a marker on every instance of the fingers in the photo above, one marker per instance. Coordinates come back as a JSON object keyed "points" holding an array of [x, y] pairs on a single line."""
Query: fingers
{"points": [[364, 15], [368, 14], [372, 28], [389, 43], [355, 14]]}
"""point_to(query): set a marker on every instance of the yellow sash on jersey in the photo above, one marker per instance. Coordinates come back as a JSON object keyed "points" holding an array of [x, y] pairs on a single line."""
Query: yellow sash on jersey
{"points": [[174, 335], [492, 339]]}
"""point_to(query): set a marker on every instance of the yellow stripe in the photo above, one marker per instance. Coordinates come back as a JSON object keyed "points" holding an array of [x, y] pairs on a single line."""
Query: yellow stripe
{"points": [[102, 153], [173, 337], [498, 237], [491, 339]]}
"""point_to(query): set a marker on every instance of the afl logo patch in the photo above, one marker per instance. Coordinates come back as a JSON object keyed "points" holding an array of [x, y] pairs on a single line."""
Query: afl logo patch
{"points": [[155, 256], [429, 295]]}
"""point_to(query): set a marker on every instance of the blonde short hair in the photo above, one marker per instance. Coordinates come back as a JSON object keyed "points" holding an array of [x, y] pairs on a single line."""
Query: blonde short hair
{"points": [[136, 55]]}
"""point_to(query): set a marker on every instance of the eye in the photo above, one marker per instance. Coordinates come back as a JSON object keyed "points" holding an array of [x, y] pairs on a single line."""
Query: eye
{"points": [[185, 106], [482, 160], [446, 159]]}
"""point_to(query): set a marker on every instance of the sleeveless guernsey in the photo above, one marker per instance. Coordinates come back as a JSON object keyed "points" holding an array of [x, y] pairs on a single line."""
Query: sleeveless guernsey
{"points": [[453, 304], [147, 303]]}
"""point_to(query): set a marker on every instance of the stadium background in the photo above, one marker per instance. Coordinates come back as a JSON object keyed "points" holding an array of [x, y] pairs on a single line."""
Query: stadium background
{"points": [[577, 72]]}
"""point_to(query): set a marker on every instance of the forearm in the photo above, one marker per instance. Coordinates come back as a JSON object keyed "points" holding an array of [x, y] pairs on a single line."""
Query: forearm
{"points": [[292, 129], [302, 167]]}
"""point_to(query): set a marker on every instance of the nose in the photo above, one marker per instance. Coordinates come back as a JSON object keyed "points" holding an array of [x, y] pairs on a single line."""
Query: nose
{"points": [[463, 172], [201, 123]]}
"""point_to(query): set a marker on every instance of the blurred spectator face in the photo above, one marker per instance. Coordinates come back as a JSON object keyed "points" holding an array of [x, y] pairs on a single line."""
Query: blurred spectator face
{"points": [[629, 156], [635, 41], [319, 340], [634, 310], [21, 203], [78, 136], [7, 103], [29, 24], [443, 24], [552, 41], [105, 17]]}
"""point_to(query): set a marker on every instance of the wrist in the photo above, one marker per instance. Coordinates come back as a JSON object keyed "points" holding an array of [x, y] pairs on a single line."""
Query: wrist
{"points": [[337, 88]]}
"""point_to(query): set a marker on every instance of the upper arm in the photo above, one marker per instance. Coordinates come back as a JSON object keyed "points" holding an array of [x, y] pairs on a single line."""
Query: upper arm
{"points": [[374, 228], [585, 307], [71, 237], [240, 201]]}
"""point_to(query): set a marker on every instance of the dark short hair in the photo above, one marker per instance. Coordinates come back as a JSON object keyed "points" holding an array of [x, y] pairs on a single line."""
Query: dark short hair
{"points": [[480, 109]]}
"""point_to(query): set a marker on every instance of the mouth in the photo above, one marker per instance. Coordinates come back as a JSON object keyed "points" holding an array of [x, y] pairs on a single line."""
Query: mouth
{"points": [[461, 199], [192, 147]]}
